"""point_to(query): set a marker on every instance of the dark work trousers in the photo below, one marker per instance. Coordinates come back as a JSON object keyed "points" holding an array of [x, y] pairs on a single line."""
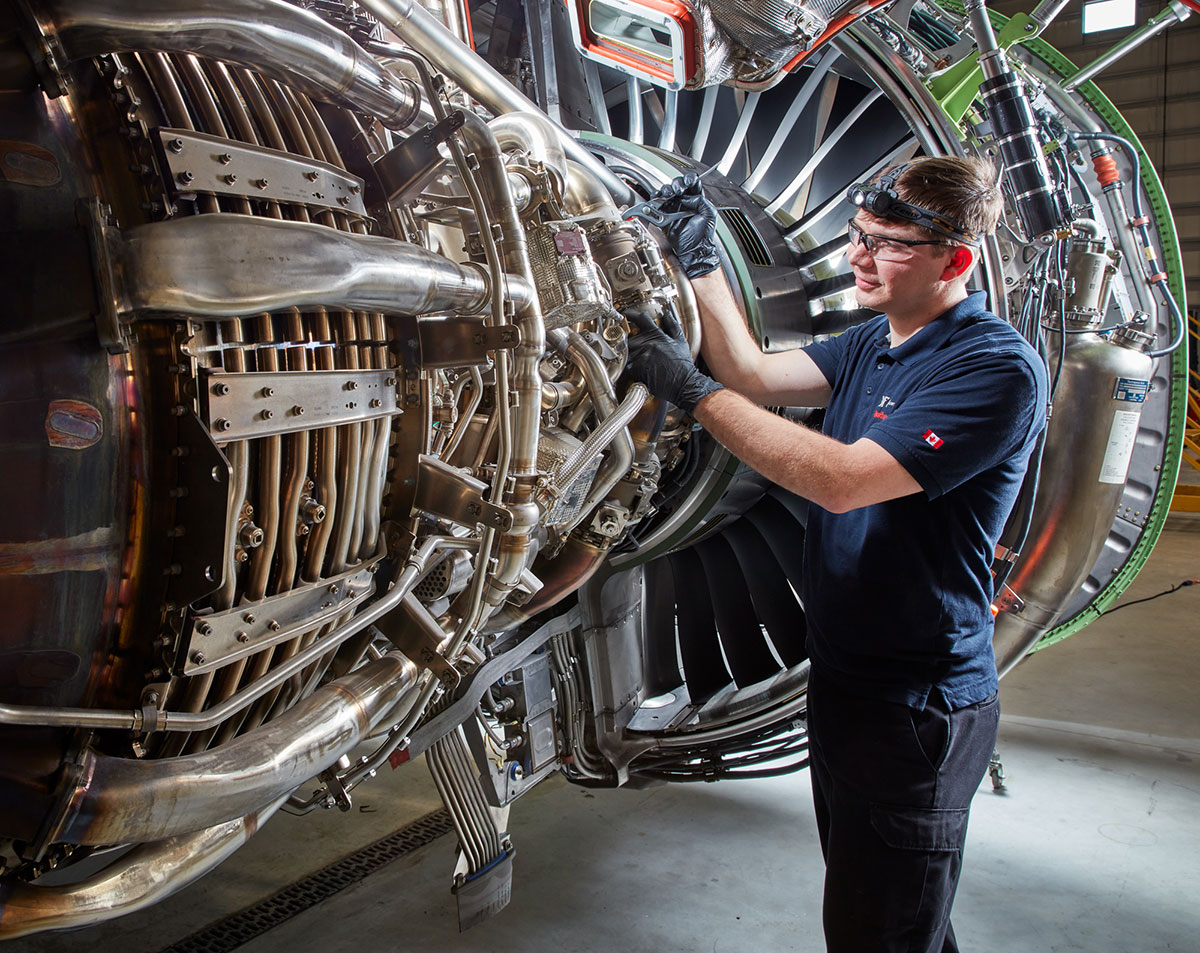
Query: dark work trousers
{"points": [[892, 787]]}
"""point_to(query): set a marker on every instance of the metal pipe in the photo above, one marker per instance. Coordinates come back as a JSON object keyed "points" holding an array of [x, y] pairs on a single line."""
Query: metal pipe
{"points": [[144, 876], [118, 800], [602, 436], [195, 265], [536, 134], [270, 36], [425, 34], [1045, 12], [1175, 12]]}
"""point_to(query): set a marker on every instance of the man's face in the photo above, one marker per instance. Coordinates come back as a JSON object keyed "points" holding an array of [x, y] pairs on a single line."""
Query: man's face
{"points": [[897, 287]]}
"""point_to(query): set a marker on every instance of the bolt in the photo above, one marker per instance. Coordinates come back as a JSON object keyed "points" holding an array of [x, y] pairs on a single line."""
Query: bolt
{"points": [[204, 628], [355, 189], [152, 698], [343, 201], [243, 637], [261, 183], [390, 382], [222, 424], [251, 536], [311, 175], [267, 392], [175, 145], [220, 388], [334, 589], [199, 658], [267, 414], [225, 158], [274, 626], [249, 618], [185, 177], [298, 411], [376, 402], [230, 179]]}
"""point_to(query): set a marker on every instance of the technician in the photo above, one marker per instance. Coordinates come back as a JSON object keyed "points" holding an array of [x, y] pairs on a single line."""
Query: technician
{"points": [[933, 409]]}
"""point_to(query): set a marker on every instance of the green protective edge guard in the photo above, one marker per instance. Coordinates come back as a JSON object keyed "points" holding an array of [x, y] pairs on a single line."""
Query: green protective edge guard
{"points": [[1173, 440], [728, 462]]}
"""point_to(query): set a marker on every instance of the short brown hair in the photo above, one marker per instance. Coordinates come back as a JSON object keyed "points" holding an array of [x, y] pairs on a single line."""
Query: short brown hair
{"points": [[964, 189]]}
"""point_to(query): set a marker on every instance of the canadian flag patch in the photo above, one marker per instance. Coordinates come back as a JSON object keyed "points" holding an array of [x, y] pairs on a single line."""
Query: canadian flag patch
{"points": [[933, 439]]}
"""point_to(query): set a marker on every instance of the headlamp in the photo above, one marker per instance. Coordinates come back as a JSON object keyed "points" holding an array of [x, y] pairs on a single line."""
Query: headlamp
{"points": [[882, 201]]}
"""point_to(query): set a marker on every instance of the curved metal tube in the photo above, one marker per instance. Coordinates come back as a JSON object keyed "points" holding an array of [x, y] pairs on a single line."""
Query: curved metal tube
{"points": [[196, 265], [429, 37], [142, 877], [118, 800], [538, 135], [602, 436], [272, 37]]}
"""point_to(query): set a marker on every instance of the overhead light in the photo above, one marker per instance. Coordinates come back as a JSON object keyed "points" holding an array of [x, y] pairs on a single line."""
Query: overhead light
{"points": [[1100, 15]]}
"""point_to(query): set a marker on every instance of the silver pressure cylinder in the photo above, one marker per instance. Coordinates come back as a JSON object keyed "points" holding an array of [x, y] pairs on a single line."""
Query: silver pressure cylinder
{"points": [[1089, 441]]}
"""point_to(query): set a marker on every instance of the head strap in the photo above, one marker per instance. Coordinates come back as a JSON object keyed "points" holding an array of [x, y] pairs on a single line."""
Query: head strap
{"points": [[882, 201]]}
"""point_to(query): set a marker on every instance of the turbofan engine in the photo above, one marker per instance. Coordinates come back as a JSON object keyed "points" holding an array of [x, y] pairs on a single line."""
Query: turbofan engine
{"points": [[313, 413]]}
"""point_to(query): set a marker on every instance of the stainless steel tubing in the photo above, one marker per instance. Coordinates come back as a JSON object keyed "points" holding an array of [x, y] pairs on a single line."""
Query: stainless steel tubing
{"points": [[1175, 12], [272, 37], [602, 436], [144, 876], [196, 265], [118, 800], [424, 33], [536, 134]]}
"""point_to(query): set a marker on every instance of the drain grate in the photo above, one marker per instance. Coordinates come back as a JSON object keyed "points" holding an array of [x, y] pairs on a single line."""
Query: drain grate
{"points": [[241, 927]]}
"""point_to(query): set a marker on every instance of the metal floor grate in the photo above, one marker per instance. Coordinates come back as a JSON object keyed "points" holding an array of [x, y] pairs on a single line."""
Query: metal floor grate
{"points": [[245, 925]]}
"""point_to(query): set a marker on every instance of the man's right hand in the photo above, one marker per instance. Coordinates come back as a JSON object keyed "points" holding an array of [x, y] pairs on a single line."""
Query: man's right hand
{"points": [[660, 359], [692, 228]]}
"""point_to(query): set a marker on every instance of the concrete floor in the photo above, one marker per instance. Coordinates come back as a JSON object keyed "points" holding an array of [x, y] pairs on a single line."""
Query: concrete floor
{"points": [[1093, 845]]}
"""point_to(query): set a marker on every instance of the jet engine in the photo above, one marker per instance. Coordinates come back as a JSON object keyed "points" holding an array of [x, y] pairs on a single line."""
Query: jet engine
{"points": [[313, 418]]}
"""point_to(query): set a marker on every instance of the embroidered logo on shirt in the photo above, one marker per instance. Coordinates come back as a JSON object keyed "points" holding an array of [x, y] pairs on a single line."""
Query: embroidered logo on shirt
{"points": [[880, 415], [933, 439]]}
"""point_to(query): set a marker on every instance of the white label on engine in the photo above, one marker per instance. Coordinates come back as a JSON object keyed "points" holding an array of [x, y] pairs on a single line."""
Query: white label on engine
{"points": [[1121, 438]]}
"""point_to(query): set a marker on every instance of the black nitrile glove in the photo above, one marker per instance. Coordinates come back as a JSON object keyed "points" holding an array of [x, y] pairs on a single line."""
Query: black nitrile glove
{"points": [[692, 231], [660, 359]]}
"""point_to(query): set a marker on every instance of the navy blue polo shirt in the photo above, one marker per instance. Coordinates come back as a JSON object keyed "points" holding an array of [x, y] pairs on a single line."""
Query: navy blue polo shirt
{"points": [[898, 594]]}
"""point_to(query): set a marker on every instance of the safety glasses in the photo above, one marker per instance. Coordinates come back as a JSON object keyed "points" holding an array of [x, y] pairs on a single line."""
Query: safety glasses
{"points": [[883, 248]]}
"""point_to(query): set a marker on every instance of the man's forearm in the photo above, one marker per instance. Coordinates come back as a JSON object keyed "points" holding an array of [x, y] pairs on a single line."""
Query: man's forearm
{"points": [[834, 475], [788, 378]]}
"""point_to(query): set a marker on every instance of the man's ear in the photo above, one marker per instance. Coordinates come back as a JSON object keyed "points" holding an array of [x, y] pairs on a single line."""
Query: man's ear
{"points": [[960, 262]]}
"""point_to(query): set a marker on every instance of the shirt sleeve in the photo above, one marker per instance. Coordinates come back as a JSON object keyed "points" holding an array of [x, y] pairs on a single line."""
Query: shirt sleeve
{"points": [[966, 419], [828, 354]]}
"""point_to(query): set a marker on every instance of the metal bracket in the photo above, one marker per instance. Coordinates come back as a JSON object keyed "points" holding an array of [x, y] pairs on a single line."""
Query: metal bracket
{"points": [[260, 404], [201, 494], [218, 638], [202, 163], [416, 633], [1008, 601], [95, 217], [406, 168], [456, 342], [445, 491]]}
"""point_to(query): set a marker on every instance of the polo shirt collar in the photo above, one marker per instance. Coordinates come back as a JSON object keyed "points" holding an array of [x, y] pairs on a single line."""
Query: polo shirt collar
{"points": [[936, 332]]}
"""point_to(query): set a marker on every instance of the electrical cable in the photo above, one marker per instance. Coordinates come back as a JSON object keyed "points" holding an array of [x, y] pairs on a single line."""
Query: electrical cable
{"points": [[1166, 592], [1141, 226]]}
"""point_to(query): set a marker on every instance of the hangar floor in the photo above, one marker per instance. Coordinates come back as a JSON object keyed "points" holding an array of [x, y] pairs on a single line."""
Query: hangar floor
{"points": [[1093, 844]]}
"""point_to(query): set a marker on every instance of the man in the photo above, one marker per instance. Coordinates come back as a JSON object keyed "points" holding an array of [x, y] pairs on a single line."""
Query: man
{"points": [[933, 410]]}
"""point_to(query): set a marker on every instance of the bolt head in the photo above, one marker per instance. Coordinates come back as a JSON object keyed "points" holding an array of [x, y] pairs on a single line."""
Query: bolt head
{"points": [[175, 145], [222, 424], [199, 658], [243, 637]]}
